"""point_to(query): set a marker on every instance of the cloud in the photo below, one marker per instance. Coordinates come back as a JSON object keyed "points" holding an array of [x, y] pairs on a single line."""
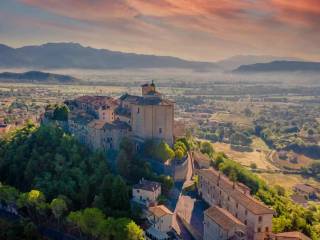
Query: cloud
{"points": [[242, 26]]}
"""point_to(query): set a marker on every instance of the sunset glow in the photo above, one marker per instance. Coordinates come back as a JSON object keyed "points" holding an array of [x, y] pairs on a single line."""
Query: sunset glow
{"points": [[192, 29]]}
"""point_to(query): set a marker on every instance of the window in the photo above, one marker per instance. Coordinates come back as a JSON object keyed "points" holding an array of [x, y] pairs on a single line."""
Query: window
{"points": [[246, 212], [259, 229], [138, 110], [260, 219], [237, 205], [228, 198], [245, 222], [267, 229], [160, 130]]}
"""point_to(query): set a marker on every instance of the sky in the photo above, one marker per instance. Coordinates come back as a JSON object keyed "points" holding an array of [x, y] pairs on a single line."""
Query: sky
{"points": [[207, 30]]}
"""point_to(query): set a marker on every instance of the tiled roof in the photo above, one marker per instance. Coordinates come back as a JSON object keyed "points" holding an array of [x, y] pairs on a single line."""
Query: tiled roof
{"points": [[81, 117], [160, 211], [223, 218], [292, 235], [129, 98], [97, 124], [122, 111], [237, 193], [146, 100], [97, 101], [147, 185], [117, 124]]}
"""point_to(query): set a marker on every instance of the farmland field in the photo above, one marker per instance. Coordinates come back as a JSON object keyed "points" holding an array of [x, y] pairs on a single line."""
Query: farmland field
{"points": [[245, 158]]}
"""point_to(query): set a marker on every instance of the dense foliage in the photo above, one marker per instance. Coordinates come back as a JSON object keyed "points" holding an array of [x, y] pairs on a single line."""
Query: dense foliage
{"points": [[206, 148], [59, 112], [132, 166], [67, 177], [290, 216], [93, 222], [47, 159], [55, 214], [158, 150], [292, 128], [18, 230]]}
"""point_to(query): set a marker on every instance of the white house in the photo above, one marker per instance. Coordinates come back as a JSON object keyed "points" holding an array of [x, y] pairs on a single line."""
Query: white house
{"points": [[146, 192]]}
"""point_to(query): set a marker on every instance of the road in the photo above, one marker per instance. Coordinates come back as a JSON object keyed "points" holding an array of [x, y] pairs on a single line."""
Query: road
{"points": [[190, 209]]}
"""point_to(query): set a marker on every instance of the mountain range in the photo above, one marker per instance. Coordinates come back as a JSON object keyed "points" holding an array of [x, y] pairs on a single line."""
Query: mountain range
{"points": [[239, 60], [36, 76], [280, 66], [73, 55]]}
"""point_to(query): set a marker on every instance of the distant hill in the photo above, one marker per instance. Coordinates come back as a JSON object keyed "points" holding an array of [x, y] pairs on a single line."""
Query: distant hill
{"points": [[280, 66], [36, 76], [73, 55], [239, 60]]}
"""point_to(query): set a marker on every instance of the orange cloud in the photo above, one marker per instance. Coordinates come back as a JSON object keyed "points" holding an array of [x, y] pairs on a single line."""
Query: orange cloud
{"points": [[225, 26]]}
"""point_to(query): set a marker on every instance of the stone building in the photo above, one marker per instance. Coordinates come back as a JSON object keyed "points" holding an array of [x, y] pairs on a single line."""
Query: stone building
{"points": [[218, 190], [151, 116], [161, 217], [221, 224], [101, 122], [146, 192]]}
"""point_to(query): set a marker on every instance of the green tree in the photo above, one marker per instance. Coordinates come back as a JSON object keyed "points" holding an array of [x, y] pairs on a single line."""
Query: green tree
{"points": [[179, 154], [164, 152], [61, 113], [58, 207], [206, 148]]}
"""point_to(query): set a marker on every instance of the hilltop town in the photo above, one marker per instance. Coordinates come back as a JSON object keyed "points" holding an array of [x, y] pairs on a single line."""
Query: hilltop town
{"points": [[102, 122], [181, 187]]}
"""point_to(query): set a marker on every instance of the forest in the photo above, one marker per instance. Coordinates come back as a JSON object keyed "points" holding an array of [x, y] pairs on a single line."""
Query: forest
{"points": [[54, 181]]}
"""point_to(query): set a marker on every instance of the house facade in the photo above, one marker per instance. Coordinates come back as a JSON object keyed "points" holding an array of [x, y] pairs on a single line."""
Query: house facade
{"points": [[161, 218], [217, 190], [221, 224], [146, 192]]}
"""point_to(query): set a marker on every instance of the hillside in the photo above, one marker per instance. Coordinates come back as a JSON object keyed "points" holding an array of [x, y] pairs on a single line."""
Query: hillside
{"points": [[36, 76], [239, 60], [280, 66], [73, 55]]}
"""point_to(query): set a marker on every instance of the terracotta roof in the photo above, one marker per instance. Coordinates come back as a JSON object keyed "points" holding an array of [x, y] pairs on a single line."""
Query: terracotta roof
{"points": [[237, 193], [292, 235], [81, 117], [153, 100], [150, 99], [97, 101], [147, 185], [97, 124], [117, 124], [160, 211], [129, 98], [223, 218]]}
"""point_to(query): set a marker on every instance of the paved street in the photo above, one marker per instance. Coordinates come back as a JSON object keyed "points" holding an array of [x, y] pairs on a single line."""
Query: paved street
{"points": [[188, 208]]}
